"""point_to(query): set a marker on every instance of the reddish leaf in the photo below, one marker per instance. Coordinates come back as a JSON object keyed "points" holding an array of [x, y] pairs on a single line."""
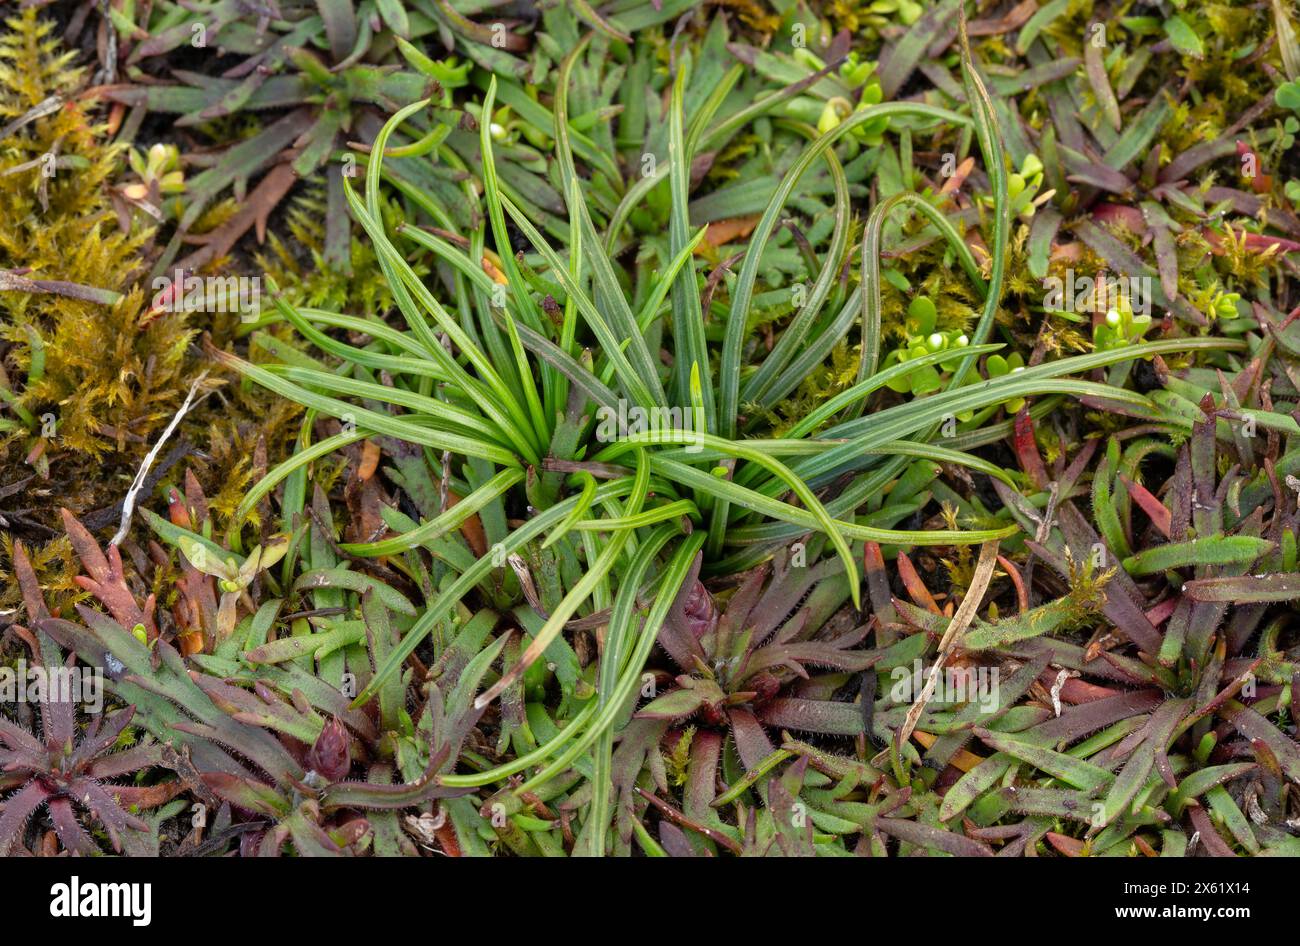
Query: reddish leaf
{"points": [[1156, 511], [922, 835], [914, 585]]}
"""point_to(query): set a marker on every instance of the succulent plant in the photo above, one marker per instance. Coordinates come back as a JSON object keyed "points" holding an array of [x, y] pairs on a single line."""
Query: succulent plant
{"points": [[322, 69], [1172, 771], [159, 183], [1023, 185], [55, 772], [63, 770], [1119, 327], [599, 533], [923, 340], [64, 766], [747, 673], [740, 666]]}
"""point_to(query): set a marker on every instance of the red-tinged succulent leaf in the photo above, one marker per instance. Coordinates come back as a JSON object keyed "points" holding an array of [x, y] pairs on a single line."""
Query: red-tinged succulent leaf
{"points": [[1245, 589], [682, 702], [229, 699], [447, 737], [794, 829], [101, 736], [837, 719], [752, 744], [143, 797], [822, 687], [350, 794], [794, 628], [1070, 847], [191, 512], [1159, 225], [19, 739], [1031, 461], [937, 839], [1014, 18], [111, 638], [833, 653], [1008, 691], [1095, 174], [982, 778], [1265, 758], [17, 809], [678, 635], [1133, 776], [1156, 511], [736, 615], [1124, 748], [327, 699], [340, 26], [245, 160], [1255, 727], [72, 835], [166, 40], [1233, 687], [263, 709], [882, 599], [1054, 802], [902, 58], [1191, 159], [1018, 582], [268, 753], [350, 832], [1162, 611], [1123, 604], [1076, 772], [1105, 666], [105, 577], [1207, 513], [309, 838], [1195, 783], [916, 588], [638, 739], [1260, 242], [1210, 837], [33, 599], [674, 841], [698, 610], [1077, 721], [94, 797], [1076, 691], [787, 587], [247, 794], [811, 654], [1030, 831], [679, 818], [701, 781], [1073, 724], [264, 843], [58, 722]]}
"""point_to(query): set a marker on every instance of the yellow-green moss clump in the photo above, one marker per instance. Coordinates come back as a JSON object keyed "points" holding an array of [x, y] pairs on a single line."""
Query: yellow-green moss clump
{"points": [[90, 371], [109, 376]]}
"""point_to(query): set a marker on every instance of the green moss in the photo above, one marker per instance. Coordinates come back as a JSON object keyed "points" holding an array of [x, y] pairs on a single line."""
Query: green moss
{"points": [[299, 267], [91, 386], [109, 378]]}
